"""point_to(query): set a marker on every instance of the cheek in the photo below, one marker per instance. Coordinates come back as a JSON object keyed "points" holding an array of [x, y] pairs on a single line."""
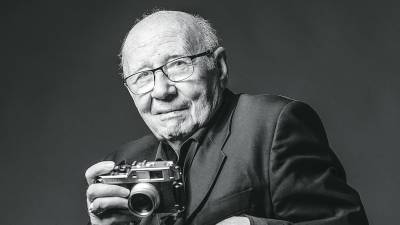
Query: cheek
{"points": [[201, 104], [201, 112], [142, 103]]}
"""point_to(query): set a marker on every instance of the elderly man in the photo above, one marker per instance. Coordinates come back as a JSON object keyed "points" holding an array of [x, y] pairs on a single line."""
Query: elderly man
{"points": [[246, 159]]}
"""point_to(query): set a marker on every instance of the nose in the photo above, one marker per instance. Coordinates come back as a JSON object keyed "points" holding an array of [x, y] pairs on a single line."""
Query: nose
{"points": [[163, 88]]}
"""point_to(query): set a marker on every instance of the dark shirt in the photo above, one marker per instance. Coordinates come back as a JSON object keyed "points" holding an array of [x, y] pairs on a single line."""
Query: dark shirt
{"points": [[186, 152]]}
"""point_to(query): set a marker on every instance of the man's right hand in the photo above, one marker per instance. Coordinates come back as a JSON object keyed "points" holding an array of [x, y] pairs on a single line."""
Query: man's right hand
{"points": [[107, 204]]}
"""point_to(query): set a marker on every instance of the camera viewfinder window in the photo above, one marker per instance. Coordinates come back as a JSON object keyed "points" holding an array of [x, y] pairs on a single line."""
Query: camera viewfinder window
{"points": [[156, 174]]}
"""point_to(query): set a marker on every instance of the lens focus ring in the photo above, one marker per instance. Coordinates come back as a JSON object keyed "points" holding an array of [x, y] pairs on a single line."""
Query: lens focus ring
{"points": [[143, 199]]}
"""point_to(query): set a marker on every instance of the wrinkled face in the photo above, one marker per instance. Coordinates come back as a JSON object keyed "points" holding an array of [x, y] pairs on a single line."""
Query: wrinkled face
{"points": [[172, 110]]}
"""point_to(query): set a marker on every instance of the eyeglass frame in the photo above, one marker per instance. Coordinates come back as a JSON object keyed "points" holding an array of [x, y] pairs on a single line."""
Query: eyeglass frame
{"points": [[191, 57]]}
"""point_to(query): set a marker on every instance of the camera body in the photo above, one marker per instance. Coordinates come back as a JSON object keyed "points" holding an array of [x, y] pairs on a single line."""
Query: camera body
{"points": [[156, 186]]}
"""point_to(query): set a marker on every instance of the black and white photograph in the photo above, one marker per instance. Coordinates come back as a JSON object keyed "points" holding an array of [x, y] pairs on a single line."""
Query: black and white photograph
{"points": [[173, 112]]}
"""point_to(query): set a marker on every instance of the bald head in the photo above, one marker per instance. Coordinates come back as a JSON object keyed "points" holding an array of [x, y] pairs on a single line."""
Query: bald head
{"points": [[194, 31]]}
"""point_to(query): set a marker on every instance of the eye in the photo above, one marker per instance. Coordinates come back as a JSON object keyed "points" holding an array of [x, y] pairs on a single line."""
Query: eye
{"points": [[179, 63], [139, 77], [144, 77]]}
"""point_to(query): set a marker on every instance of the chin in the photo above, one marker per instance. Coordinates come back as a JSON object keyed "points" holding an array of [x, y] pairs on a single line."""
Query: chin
{"points": [[177, 127], [175, 130]]}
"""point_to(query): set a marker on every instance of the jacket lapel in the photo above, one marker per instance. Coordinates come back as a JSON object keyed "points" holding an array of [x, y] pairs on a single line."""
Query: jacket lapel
{"points": [[209, 159]]}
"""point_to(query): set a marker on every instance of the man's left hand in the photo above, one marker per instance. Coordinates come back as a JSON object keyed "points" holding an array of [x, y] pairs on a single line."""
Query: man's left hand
{"points": [[236, 220]]}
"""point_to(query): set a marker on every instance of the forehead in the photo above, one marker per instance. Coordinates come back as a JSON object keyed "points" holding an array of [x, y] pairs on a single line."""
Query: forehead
{"points": [[156, 45], [155, 40]]}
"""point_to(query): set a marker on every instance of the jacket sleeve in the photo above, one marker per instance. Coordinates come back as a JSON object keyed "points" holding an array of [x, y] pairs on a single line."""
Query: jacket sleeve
{"points": [[307, 181]]}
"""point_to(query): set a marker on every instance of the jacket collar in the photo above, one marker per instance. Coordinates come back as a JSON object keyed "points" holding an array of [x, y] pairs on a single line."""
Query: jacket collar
{"points": [[210, 158]]}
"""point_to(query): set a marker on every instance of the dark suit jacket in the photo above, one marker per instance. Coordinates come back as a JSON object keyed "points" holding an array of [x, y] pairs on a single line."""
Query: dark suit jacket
{"points": [[267, 159]]}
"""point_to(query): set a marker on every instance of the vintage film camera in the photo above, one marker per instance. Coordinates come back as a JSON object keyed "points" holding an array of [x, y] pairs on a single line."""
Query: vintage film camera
{"points": [[156, 186]]}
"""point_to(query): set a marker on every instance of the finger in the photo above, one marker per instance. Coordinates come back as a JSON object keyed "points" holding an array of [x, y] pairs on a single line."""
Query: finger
{"points": [[97, 170], [116, 216], [235, 220], [100, 205], [152, 219], [118, 219], [106, 190]]}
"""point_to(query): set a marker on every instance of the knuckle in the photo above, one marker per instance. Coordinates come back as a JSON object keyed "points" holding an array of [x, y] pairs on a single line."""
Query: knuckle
{"points": [[91, 170], [90, 196], [87, 174], [91, 191], [97, 169]]}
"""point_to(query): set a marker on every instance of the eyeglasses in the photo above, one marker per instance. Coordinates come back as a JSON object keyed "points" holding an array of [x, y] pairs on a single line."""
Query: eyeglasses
{"points": [[175, 70]]}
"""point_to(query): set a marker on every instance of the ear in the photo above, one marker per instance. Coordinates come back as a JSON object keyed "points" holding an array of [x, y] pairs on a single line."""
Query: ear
{"points": [[222, 66]]}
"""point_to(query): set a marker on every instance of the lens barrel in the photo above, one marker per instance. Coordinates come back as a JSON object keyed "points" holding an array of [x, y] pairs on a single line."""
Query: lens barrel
{"points": [[143, 199]]}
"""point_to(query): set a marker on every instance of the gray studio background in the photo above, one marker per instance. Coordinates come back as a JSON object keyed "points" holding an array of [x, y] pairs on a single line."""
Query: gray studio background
{"points": [[63, 106]]}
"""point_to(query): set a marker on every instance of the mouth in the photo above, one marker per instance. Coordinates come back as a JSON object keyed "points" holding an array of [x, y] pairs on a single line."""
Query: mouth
{"points": [[170, 111], [167, 115]]}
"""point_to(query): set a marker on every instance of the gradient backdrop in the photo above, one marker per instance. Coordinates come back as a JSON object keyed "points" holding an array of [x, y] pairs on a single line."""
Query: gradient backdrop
{"points": [[63, 106]]}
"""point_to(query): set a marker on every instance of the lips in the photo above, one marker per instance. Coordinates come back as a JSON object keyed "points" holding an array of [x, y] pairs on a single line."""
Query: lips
{"points": [[169, 110]]}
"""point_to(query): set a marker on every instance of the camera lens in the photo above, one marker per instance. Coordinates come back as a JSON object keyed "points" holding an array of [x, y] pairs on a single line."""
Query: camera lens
{"points": [[143, 200], [141, 203]]}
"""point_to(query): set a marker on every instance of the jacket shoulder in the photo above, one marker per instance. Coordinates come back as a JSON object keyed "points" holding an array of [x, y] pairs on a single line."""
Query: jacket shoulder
{"points": [[264, 106], [141, 149], [256, 116]]}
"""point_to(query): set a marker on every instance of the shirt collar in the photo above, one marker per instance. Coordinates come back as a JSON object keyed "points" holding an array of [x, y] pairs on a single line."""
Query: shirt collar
{"points": [[163, 145]]}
